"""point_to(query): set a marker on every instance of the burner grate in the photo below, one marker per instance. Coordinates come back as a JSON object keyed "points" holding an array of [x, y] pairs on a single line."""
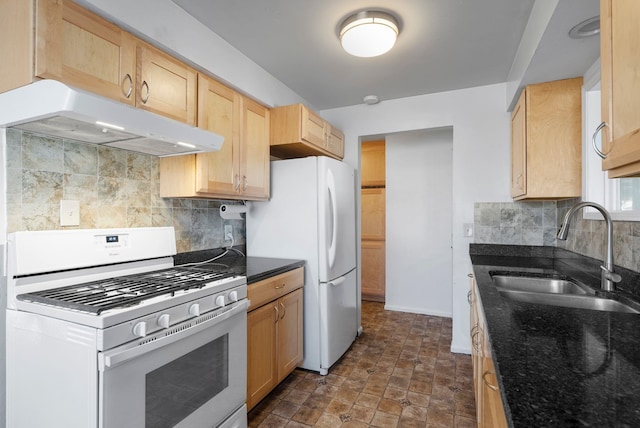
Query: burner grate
{"points": [[98, 296]]}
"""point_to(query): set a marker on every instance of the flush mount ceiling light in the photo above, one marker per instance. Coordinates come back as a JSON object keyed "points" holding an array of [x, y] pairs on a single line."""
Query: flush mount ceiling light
{"points": [[368, 33], [586, 28]]}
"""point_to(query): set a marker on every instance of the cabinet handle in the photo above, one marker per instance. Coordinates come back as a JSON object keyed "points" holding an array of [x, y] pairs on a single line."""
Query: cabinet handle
{"points": [[278, 287], [237, 181], [127, 77], [474, 340], [593, 140], [469, 297], [245, 182], [145, 85], [277, 314], [484, 379], [284, 310], [470, 275]]}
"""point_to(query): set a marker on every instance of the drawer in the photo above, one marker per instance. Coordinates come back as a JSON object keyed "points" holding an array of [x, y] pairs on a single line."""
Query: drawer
{"points": [[272, 288]]}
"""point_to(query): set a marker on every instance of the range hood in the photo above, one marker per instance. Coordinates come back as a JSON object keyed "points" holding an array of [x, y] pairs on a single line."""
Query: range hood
{"points": [[49, 107]]}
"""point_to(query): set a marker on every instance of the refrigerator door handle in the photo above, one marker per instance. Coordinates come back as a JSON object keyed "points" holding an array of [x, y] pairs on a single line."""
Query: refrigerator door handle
{"points": [[331, 185], [338, 281]]}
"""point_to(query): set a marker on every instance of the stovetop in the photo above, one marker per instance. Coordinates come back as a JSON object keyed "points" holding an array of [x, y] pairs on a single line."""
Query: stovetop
{"points": [[125, 291]]}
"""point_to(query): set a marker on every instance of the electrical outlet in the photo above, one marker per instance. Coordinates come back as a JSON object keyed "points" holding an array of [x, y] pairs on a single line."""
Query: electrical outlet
{"points": [[228, 232]]}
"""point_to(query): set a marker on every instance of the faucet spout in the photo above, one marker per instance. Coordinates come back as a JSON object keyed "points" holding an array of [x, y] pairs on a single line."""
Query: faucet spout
{"points": [[608, 277]]}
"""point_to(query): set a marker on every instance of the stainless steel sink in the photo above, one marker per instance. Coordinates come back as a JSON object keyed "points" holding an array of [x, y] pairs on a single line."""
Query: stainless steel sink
{"points": [[538, 285], [556, 292], [580, 301]]}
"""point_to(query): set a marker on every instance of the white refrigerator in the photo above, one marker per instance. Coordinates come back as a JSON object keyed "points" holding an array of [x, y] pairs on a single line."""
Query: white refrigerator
{"points": [[311, 216]]}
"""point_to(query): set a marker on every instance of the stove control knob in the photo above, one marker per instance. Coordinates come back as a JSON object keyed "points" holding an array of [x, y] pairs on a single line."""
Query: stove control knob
{"points": [[220, 301], [194, 310], [164, 320], [233, 296], [140, 329]]}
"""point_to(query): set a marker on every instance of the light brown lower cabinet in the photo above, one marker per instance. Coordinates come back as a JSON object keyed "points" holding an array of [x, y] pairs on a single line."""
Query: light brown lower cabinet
{"points": [[489, 407], [274, 332]]}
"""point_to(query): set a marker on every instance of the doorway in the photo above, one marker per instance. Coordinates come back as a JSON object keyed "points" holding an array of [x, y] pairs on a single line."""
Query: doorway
{"points": [[373, 207]]}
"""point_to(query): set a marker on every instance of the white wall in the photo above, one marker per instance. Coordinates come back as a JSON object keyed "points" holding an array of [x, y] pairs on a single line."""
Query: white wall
{"points": [[481, 161], [418, 213]]}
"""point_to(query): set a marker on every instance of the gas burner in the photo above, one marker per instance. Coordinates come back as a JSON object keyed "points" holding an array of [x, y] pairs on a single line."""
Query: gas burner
{"points": [[125, 291]]}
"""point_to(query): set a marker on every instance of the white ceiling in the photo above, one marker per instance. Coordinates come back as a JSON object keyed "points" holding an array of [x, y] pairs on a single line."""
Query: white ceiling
{"points": [[443, 44]]}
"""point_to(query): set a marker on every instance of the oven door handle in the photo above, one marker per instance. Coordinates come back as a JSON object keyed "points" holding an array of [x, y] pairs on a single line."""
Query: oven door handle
{"points": [[108, 360]]}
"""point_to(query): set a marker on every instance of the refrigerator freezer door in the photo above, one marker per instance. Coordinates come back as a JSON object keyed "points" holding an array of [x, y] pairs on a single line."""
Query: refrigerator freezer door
{"points": [[337, 218], [338, 318]]}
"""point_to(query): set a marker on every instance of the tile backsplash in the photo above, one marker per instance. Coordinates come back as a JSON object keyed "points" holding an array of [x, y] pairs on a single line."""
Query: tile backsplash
{"points": [[536, 223], [115, 188]]}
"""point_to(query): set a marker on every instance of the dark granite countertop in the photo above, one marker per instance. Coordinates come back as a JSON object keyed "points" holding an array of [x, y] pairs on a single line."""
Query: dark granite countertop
{"points": [[254, 268], [557, 366]]}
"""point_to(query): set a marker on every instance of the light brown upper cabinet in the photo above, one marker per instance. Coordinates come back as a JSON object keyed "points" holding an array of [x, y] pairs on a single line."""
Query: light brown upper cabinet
{"points": [[165, 85], [57, 39], [69, 44], [297, 131], [372, 163], [546, 141], [620, 86], [240, 170]]}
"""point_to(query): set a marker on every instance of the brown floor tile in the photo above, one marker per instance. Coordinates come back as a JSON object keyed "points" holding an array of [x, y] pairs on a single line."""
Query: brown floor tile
{"points": [[368, 400], [398, 373], [307, 415]]}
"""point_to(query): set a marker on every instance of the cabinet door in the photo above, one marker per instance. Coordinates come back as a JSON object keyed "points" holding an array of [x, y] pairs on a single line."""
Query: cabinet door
{"points": [[289, 333], [254, 152], [373, 270], [335, 141], [219, 112], [373, 163], [373, 214], [77, 47], [312, 128], [262, 369], [518, 149], [165, 85], [620, 86], [492, 410]]}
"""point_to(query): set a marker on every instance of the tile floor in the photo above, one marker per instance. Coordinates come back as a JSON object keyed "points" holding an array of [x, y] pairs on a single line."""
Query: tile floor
{"points": [[399, 373]]}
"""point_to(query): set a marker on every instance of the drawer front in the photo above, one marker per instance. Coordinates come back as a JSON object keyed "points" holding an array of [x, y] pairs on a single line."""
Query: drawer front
{"points": [[270, 289]]}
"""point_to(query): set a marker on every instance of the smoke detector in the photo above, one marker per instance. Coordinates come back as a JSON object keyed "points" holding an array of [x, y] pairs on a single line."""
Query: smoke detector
{"points": [[371, 99]]}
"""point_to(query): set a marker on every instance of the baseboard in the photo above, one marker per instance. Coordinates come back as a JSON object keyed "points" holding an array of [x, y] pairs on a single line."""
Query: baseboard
{"points": [[417, 311]]}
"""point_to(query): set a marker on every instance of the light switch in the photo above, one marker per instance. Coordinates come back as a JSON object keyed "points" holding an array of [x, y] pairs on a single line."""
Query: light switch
{"points": [[69, 213], [467, 230]]}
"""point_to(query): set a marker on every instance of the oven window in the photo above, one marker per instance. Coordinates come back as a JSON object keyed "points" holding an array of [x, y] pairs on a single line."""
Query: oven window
{"points": [[180, 387]]}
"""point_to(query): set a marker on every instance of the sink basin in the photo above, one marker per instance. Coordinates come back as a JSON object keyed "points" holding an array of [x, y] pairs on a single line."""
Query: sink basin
{"points": [[537, 284], [580, 301]]}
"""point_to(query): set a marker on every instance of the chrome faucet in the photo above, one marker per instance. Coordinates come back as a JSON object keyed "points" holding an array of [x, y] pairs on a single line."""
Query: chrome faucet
{"points": [[607, 277]]}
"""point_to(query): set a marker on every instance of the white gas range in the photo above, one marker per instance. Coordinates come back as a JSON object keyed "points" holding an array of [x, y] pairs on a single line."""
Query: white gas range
{"points": [[103, 331]]}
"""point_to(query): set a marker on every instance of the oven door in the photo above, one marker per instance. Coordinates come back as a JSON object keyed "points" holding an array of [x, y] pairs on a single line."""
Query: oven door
{"points": [[191, 375]]}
